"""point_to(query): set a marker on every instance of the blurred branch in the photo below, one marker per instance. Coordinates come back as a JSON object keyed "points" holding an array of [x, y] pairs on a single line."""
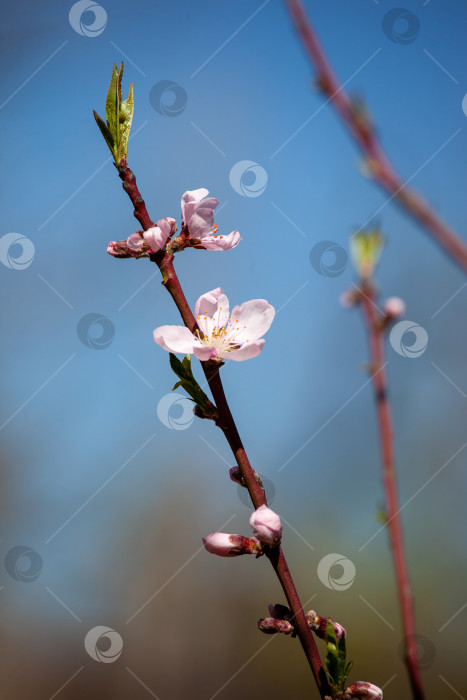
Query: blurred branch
{"points": [[376, 322], [363, 132], [227, 424]]}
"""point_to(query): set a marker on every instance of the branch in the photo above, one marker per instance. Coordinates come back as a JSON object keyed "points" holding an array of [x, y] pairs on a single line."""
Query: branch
{"points": [[374, 322], [364, 135], [227, 424]]}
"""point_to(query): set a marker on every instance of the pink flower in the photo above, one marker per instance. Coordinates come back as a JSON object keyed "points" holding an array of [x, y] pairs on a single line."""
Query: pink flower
{"points": [[363, 691], [225, 545], [394, 308], [266, 526], [142, 243], [198, 217], [270, 625], [156, 236], [235, 337]]}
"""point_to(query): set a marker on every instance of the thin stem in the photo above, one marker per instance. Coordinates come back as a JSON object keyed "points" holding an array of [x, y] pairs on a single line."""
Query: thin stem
{"points": [[227, 424], [365, 136], [376, 333]]}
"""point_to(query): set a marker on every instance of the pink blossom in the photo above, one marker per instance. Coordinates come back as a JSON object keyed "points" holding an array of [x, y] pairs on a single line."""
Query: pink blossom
{"points": [[225, 545], [142, 243], [156, 236], [235, 336], [363, 691], [270, 625], [266, 526], [198, 217], [394, 307]]}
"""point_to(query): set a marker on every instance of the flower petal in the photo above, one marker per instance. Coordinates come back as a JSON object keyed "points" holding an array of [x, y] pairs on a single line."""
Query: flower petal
{"points": [[189, 198], [176, 339], [156, 237], [201, 220], [135, 242], [251, 320], [205, 352], [212, 309], [221, 242], [246, 352]]}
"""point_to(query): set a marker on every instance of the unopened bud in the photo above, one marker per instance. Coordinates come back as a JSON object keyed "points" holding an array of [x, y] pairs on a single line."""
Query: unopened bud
{"points": [[319, 625], [349, 298], [266, 526], [394, 308], [279, 612], [362, 691], [225, 545], [236, 475], [269, 625]]}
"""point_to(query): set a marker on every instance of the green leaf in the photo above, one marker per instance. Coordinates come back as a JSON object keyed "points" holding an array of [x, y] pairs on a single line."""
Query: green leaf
{"points": [[206, 408], [105, 131], [337, 667], [119, 116], [126, 119], [366, 247]]}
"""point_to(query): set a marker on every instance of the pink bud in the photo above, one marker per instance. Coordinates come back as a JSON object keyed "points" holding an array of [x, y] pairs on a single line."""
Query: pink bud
{"points": [[363, 691], [319, 625], [269, 625], [266, 526], [225, 545], [349, 298], [394, 307]]}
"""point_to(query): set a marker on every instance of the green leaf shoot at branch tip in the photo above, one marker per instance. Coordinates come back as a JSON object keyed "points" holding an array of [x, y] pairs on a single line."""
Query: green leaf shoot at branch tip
{"points": [[366, 247], [119, 116], [337, 667], [204, 407]]}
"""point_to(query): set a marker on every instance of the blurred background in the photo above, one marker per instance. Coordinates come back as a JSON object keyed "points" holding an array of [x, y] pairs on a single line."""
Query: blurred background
{"points": [[107, 484]]}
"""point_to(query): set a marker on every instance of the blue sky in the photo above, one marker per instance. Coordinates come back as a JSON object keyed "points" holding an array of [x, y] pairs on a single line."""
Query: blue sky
{"points": [[73, 416]]}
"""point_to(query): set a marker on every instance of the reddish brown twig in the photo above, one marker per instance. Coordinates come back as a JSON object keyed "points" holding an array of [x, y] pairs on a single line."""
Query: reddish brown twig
{"points": [[364, 135], [376, 334], [227, 424]]}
